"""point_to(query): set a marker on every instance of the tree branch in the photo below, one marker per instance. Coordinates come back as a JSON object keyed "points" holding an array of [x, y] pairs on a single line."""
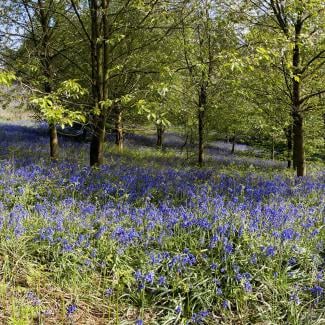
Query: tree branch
{"points": [[307, 97], [317, 56]]}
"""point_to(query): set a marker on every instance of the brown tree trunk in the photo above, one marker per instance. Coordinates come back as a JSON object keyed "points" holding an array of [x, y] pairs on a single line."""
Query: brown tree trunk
{"points": [[97, 142], [119, 130], [272, 149], [298, 144], [160, 132], [185, 143], [54, 142], [288, 134], [233, 144], [46, 61], [99, 60], [324, 125], [298, 133], [201, 123]]}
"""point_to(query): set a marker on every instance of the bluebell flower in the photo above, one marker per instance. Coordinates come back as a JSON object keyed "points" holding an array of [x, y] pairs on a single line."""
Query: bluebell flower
{"points": [[292, 261], [71, 309], [161, 280], [317, 291], [247, 275], [229, 248], [288, 234], [295, 298], [270, 251], [140, 286], [139, 322], [253, 259], [149, 277], [238, 277], [320, 276], [198, 318], [214, 266], [32, 297], [226, 304], [248, 286], [108, 292], [138, 275]]}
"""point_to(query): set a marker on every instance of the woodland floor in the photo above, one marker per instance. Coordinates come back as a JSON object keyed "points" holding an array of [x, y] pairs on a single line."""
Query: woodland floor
{"points": [[150, 238]]}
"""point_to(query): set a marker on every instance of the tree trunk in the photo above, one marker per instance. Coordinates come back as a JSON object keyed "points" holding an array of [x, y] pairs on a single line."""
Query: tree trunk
{"points": [[185, 143], [233, 144], [298, 134], [54, 142], [99, 64], [46, 62], [324, 126], [201, 122], [288, 134], [298, 144], [97, 142], [119, 130], [272, 149], [160, 133]]}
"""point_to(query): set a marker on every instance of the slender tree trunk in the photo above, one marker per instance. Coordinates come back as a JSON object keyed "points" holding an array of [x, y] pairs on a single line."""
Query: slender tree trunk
{"points": [[46, 61], [201, 123], [99, 60], [97, 142], [298, 141], [54, 142], [233, 144], [201, 137], [297, 116], [190, 143], [272, 149], [160, 133], [119, 129], [288, 134], [54, 139], [324, 126], [185, 143]]}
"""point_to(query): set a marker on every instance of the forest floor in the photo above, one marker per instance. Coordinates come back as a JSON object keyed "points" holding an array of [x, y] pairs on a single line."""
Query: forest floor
{"points": [[214, 150], [150, 238]]}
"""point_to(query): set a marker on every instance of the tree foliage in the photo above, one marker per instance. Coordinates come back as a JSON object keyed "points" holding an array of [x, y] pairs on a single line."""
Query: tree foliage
{"points": [[216, 69]]}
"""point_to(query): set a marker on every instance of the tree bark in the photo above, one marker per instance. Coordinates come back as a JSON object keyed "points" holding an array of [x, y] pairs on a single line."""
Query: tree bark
{"points": [[97, 142], [99, 60], [119, 139], [298, 141], [288, 134], [233, 144], [46, 62], [272, 149], [201, 123], [297, 116], [54, 142], [160, 132], [324, 126]]}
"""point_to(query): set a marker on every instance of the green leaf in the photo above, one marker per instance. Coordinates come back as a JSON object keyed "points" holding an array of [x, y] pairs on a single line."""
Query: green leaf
{"points": [[7, 78]]}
